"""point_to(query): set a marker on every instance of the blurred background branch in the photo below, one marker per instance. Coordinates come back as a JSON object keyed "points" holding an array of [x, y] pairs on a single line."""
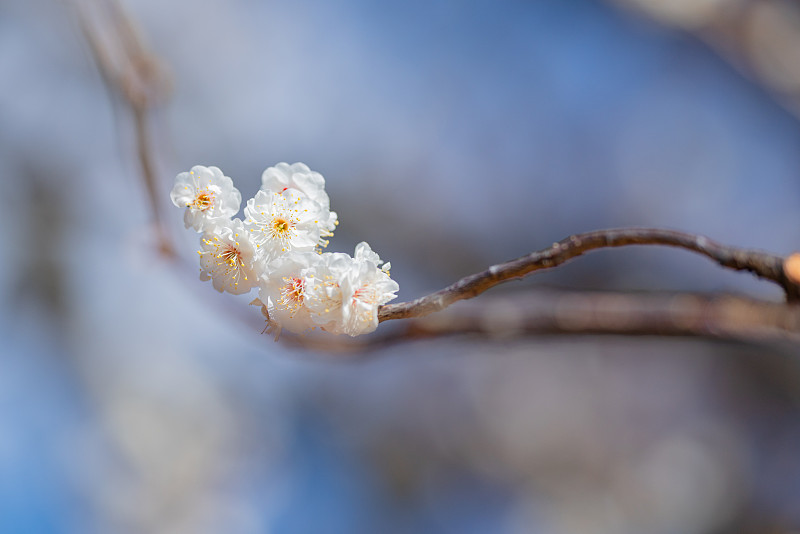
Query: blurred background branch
{"points": [[546, 312], [141, 80], [759, 37]]}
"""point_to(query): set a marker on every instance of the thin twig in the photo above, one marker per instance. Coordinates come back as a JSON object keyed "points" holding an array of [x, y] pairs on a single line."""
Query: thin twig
{"points": [[762, 264]]}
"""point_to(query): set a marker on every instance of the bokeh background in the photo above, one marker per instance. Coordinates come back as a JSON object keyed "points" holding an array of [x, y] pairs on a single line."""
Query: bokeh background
{"points": [[453, 135]]}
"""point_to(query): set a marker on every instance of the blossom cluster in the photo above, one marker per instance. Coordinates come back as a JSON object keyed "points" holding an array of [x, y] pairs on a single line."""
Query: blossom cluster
{"points": [[277, 249]]}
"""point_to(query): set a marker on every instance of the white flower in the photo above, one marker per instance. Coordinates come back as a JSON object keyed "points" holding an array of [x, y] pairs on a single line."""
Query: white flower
{"points": [[283, 289], [228, 258], [334, 291], [346, 292], [299, 177], [296, 176], [208, 196], [283, 222], [365, 287]]}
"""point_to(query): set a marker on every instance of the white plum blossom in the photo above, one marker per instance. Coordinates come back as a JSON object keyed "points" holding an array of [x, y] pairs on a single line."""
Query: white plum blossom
{"points": [[365, 286], [228, 258], [208, 196], [282, 222], [311, 183], [283, 291], [334, 291]]}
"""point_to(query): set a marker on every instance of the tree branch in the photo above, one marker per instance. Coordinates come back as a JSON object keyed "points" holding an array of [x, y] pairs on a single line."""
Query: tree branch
{"points": [[762, 264]]}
